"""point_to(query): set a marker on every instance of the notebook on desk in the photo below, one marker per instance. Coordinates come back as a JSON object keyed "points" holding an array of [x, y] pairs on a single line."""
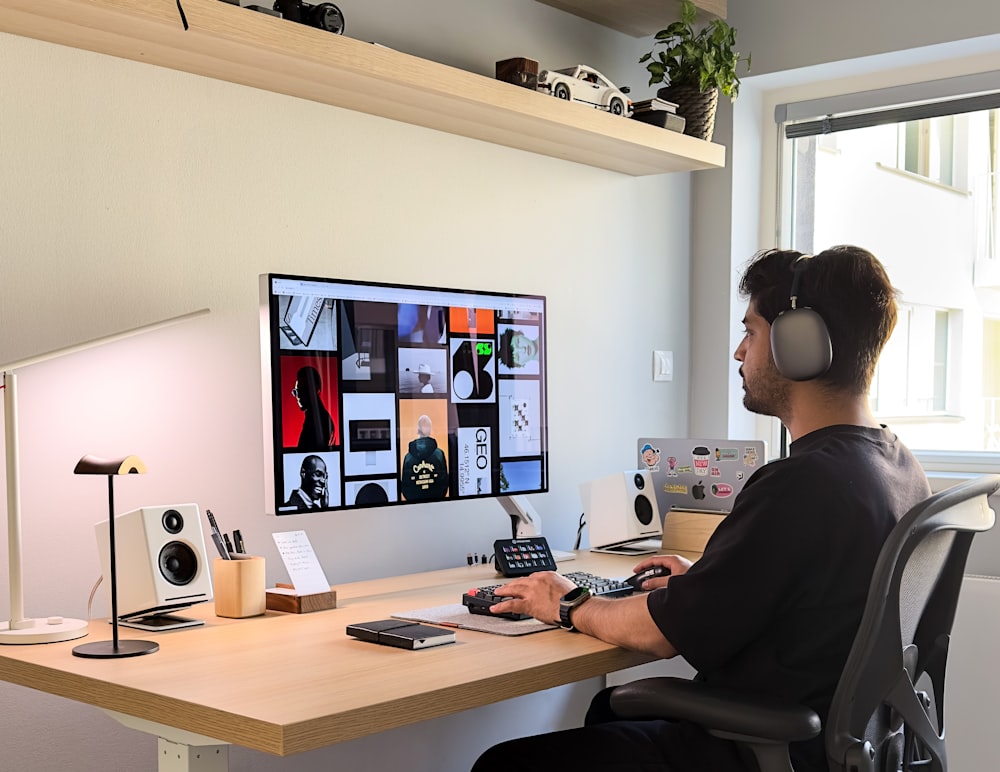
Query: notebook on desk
{"points": [[699, 475]]}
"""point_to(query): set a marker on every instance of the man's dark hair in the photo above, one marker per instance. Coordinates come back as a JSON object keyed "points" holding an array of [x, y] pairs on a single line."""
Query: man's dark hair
{"points": [[312, 458], [505, 353], [309, 380], [848, 287]]}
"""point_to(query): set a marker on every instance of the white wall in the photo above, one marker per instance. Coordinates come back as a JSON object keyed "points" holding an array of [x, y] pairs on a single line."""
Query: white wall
{"points": [[130, 193], [788, 34]]}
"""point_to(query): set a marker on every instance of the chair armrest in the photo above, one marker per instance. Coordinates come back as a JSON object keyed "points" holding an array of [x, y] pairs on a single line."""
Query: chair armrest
{"points": [[714, 708]]}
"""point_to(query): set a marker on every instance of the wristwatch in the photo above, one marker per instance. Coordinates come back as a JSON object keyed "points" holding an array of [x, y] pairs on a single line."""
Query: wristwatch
{"points": [[568, 602]]}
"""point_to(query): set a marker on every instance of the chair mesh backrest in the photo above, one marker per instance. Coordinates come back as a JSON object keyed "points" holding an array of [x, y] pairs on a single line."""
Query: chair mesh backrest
{"points": [[920, 574], [903, 638]]}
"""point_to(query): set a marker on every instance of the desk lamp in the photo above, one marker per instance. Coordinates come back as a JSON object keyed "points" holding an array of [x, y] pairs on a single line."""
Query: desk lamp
{"points": [[19, 629], [113, 648]]}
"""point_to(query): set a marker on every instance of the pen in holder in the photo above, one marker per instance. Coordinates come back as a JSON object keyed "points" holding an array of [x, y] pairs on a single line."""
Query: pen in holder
{"points": [[239, 587]]}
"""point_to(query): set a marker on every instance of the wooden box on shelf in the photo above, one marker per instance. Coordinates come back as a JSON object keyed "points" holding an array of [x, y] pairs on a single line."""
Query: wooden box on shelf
{"points": [[519, 71]]}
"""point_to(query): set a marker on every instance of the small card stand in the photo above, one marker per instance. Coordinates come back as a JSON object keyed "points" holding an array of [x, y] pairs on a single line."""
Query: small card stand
{"points": [[283, 598], [239, 587]]}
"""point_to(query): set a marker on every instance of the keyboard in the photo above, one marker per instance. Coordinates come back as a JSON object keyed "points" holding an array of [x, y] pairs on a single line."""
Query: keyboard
{"points": [[479, 599]]}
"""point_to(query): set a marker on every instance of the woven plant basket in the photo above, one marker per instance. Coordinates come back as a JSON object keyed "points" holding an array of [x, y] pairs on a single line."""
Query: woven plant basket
{"points": [[696, 107]]}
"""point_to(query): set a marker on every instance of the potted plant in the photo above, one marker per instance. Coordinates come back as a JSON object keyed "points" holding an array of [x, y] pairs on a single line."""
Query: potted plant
{"points": [[696, 66]]}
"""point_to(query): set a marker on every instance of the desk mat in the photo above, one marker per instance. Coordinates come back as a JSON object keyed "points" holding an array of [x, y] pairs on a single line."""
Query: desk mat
{"points": [[456, 615]]}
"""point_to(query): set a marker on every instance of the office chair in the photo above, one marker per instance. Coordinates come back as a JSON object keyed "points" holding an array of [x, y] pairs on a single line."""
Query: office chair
{"points": [[887, 713]]}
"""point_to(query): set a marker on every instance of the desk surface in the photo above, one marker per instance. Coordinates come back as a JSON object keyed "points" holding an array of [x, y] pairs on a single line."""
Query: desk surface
{"points": [[288, 683]]}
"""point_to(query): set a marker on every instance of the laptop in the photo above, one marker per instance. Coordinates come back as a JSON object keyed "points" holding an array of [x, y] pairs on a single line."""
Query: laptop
{"points": [[699, 475]]}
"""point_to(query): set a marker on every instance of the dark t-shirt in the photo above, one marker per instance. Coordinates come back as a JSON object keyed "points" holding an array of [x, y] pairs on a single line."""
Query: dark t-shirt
{"points": [[774, 603]]}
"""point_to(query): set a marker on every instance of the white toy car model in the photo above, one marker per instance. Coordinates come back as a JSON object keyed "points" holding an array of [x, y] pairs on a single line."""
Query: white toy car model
{"points": [[585, 84]]}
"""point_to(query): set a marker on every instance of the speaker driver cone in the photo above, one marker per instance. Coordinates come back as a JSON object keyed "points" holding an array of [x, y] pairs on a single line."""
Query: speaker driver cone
{"points": [[178, 563], [173, 521], [643, 510]]}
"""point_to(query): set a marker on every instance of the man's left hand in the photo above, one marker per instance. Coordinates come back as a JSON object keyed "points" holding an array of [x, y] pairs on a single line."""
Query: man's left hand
{"points": [[537, 594]]}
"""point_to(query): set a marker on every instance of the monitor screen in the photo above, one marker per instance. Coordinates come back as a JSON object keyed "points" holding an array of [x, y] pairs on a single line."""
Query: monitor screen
{"points": [[378, 394]]}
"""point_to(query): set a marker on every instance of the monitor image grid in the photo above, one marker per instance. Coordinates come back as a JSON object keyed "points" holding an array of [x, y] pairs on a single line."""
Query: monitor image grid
{"points": [[378, 394]]}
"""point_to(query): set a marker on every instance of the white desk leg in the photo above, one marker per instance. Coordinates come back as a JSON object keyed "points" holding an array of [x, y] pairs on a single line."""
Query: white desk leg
{"points": [[179, 750]]}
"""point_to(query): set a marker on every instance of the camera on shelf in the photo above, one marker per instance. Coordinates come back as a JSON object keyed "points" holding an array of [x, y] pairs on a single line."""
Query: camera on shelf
{"points": [[322, 15]]}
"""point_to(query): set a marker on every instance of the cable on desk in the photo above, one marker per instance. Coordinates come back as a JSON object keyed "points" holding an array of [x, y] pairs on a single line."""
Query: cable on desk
{"points": [[579, 530], [93, 592]]}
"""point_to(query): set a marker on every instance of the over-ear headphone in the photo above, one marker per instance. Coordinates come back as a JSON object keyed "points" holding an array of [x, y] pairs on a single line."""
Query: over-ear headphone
{"points": [[800, 341]]}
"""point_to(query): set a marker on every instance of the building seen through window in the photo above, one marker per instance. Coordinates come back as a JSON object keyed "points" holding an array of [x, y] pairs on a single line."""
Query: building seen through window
{"points": [[920, 194]]}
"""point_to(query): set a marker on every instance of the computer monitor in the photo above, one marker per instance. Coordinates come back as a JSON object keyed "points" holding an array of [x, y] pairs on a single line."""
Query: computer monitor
{"points": [[379, 394]]}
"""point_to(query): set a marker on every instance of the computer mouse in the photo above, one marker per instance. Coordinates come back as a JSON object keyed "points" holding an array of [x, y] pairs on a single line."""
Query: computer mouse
{"points": [[637, 580]]}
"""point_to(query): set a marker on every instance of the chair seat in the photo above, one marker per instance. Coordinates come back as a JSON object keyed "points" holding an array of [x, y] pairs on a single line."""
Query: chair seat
{"points": [[716, 708]]}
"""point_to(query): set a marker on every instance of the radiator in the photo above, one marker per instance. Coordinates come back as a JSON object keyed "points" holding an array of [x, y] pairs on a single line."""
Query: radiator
{"points": [[972, 685]]}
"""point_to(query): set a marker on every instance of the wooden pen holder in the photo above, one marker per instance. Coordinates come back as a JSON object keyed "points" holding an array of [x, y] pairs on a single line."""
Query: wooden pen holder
{"points": [[239, 587]]}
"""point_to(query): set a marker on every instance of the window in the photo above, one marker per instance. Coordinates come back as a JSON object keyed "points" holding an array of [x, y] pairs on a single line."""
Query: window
{"points": [[926, 147], [918, 187], [911, 377]]}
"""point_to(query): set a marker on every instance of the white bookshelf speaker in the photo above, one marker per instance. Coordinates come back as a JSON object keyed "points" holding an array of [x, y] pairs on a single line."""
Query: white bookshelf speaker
{"points": [[621, 508], [161, 560]]}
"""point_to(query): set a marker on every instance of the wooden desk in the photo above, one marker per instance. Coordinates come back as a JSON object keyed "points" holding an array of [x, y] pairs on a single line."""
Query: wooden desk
{"points": [[285, 684]]}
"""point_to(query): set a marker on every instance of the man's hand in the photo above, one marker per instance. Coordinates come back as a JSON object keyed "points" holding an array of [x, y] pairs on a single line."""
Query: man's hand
{"points": [[673, 563], [537, 594]]}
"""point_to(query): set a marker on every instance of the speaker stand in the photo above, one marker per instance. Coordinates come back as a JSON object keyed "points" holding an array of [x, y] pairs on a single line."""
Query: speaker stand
{"points": [[157, 622]]}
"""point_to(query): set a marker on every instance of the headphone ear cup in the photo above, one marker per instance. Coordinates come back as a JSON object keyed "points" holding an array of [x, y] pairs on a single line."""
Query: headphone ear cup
{"points": [[800, 344]]}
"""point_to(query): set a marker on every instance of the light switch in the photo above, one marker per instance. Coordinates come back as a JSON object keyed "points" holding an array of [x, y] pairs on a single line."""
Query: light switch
{"points": [[663, 365]]}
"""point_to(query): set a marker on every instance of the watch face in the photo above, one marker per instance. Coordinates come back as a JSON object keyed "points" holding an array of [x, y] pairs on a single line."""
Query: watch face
{"points": [[573, 594]]}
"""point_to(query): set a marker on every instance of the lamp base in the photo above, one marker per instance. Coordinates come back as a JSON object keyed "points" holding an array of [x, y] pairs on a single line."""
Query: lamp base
{"points": [[108, 650], [48, 630]]}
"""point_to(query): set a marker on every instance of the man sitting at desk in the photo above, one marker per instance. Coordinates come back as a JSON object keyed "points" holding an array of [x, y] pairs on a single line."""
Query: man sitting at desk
{"points": [[774, 603]]}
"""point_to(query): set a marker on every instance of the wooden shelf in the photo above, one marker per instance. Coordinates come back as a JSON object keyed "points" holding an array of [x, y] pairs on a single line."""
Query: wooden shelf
{"points": [[241, 46], [638, 18]]}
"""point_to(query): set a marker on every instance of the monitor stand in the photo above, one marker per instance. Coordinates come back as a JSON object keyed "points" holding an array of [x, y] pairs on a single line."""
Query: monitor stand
{"points": [[526, 522]]}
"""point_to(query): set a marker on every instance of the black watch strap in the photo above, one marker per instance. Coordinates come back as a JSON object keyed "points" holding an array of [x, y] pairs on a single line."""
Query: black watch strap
{"points": [[568, 602]]}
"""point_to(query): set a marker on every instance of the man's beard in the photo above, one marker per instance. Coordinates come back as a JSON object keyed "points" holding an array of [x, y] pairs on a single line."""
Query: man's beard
{"points": [[766, 393]]}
